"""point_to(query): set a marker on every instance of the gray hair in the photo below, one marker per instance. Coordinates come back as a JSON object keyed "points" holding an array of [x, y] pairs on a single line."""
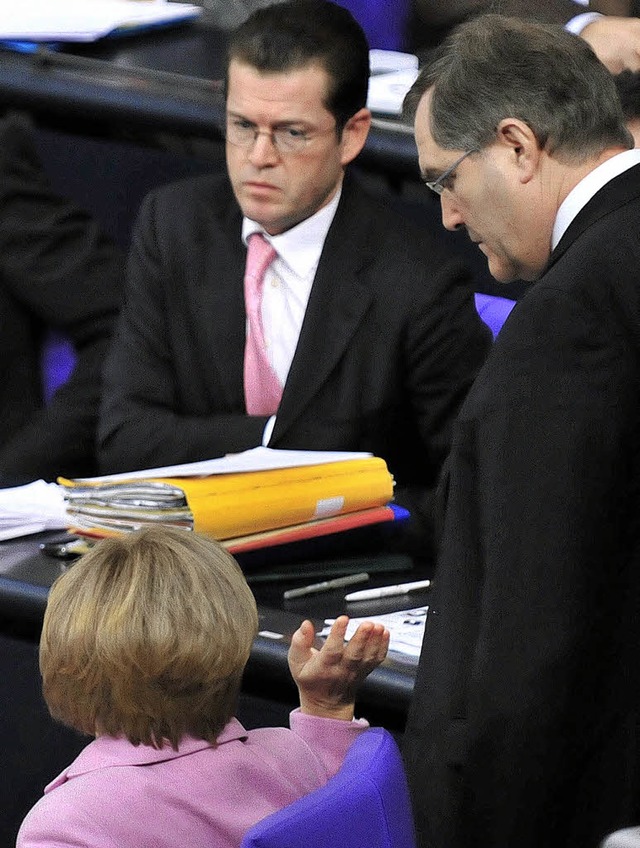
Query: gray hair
{"points": [[495, 67]]}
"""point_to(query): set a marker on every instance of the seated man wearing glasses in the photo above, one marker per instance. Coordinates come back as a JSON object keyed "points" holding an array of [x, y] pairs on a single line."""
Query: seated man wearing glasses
{"points": [[366, 337]]}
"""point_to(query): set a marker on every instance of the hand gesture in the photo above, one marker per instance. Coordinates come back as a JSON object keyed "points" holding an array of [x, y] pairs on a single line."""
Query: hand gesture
{"points": [[327, 679]]}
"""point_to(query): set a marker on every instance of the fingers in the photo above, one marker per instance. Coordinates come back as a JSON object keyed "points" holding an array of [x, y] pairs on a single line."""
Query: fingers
{"points": [[369, 644], [301, 648], [334, 643], [304, 635]]}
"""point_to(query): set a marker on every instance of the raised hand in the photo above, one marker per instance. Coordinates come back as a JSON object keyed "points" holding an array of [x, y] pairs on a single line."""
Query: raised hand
{"points": [[327, 679]]}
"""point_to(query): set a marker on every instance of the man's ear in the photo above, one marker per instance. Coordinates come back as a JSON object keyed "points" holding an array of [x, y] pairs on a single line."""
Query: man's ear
{"points": [[521, 146], [354, 135]]}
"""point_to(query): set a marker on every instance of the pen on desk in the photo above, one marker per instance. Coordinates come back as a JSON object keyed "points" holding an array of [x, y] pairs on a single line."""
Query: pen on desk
{"points": [[325, 586], [387, 591]]}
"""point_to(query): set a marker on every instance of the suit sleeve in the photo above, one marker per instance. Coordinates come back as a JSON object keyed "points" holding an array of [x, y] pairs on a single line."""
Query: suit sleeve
{"points": [[142, 424], [63, 271], [446, 345]]}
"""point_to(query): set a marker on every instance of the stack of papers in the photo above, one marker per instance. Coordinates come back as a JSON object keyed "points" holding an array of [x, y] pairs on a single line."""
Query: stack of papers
{"points": [[392, 75], [406, 628], [87, 20], [31, 509], [257, 498]]}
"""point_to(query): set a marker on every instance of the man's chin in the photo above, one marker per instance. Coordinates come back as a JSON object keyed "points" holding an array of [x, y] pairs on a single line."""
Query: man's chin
{"points": [[500, 271]]}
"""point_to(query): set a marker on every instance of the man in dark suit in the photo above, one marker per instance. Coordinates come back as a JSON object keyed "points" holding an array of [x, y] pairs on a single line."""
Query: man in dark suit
{"points": [[371, 326], [57, 271], [523, 729]]}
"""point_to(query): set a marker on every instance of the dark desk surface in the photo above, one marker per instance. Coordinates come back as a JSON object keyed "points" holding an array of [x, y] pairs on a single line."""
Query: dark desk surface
{"points": [[26, 575], [162, 80]]}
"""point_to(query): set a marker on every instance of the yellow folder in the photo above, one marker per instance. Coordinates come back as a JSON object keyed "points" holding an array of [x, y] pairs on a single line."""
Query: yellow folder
{"points": [[229, 505]]}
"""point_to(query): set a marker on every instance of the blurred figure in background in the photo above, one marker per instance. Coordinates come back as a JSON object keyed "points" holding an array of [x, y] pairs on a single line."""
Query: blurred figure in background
{"points": [[58, 271]]}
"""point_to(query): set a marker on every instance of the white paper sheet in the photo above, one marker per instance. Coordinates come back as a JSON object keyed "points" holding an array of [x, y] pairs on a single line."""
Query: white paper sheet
{"points": [[32, 508], [256, 459], [85, 20]]}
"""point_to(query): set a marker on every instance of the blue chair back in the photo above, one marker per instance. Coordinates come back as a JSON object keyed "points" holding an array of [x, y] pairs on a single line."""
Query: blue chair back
{"points": [[365, 805], [493, 310], [385, 22]]}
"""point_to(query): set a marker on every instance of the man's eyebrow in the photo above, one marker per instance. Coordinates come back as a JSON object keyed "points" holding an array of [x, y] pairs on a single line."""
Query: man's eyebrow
{"points": [[292, 122]]}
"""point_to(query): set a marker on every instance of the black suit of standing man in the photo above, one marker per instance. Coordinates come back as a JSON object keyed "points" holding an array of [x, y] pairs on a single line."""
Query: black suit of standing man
{"points": [[524, 726], [390, 341]]}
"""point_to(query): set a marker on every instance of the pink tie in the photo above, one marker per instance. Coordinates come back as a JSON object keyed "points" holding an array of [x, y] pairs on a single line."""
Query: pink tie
{"points": [[262, 389]]}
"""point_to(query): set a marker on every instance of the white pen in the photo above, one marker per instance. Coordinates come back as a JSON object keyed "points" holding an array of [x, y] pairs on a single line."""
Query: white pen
{"points": [[325, 586], [387, 591]]}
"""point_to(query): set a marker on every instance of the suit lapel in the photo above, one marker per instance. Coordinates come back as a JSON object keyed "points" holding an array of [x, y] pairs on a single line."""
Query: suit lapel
{"points": [[622, 189], [338, 301], [219, 312]]}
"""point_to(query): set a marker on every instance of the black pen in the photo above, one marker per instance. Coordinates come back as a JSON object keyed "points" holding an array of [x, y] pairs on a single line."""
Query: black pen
{"points": [[325, 586]]}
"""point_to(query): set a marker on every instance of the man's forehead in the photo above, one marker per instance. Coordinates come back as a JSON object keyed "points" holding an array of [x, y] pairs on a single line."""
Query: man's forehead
{"points": [[295, 90], [432, 158]]}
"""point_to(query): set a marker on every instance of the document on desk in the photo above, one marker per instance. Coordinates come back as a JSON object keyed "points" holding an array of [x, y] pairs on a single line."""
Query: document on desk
{"points": [[30, 509], [254, 459], [235, 496], [87, 20], [406, 628]]}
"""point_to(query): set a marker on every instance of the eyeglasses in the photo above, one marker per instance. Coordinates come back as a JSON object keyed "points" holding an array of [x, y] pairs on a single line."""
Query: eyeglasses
{"points": [[285, 139], [438, 185]]}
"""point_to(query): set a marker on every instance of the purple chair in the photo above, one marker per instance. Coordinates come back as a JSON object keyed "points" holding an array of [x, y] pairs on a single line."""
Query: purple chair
{"points": [[57, 360], [493, 310], [365, 805], [384, 22]]}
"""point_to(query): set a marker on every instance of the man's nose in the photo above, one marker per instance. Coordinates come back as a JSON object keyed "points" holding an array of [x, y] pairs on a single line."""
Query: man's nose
{"points": [[263, 151], [451, 216]]}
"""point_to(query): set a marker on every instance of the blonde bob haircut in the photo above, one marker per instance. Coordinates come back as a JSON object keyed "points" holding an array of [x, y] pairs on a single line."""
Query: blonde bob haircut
{"points": [[146, 637]]}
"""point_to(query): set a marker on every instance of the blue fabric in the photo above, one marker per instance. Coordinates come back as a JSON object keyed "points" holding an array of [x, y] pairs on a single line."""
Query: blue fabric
{"points": [[493, 310], [365, 805], [385, 22], [58, 359]]}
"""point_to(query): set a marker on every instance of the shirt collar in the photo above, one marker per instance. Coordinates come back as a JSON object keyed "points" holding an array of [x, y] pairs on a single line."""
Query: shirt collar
{"points": [[301, 246], [582, 193], [107, 751]]}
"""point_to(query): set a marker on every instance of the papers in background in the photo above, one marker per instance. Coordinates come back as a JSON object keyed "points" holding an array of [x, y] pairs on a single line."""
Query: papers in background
{"points": [[387, 92], [392, 75], [31, 509], [387, 61], [406, 628], [86, 20]]}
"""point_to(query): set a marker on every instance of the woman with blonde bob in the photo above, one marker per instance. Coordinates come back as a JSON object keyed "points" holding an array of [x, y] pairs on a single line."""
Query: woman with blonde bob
{"points": [[143, 646]]}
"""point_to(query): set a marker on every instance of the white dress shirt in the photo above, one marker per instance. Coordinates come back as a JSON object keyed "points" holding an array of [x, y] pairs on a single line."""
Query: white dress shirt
{"points": [[287, 286], [582, 193]]}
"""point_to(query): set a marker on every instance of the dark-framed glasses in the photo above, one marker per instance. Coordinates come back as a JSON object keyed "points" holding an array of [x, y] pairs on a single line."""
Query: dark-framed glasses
{"points": [[286, 139], [438, 185]]}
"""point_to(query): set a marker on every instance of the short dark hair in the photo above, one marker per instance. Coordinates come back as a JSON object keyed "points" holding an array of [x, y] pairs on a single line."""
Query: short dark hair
{"points": [[291, 35], [494, 67], [147, 637]]}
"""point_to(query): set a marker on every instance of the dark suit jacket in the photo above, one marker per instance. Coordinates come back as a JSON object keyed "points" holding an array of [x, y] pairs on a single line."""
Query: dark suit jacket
{"points": [[388, 349], [523, 729], [58, 271]]}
